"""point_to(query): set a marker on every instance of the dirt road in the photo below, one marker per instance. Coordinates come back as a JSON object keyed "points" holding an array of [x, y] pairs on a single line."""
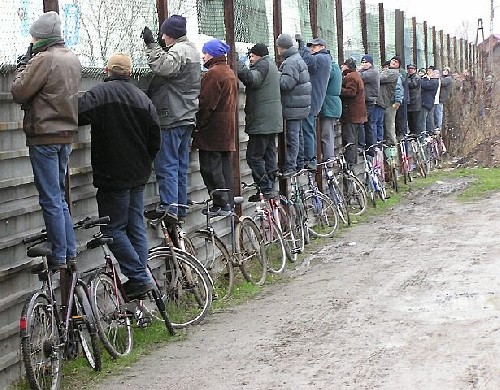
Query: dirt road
{"points": [[408, 300]]}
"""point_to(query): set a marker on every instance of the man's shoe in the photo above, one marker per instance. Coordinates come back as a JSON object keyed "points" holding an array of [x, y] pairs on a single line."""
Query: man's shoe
{"points": [[254, 198], [160, 212], [136, 290], [224, 211], [212, 211], [311, 166]]}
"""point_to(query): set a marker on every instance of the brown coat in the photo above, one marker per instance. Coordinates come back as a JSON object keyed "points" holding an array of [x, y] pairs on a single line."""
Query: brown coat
{"points": [[48, 89], [353, 98], [216, 121]]}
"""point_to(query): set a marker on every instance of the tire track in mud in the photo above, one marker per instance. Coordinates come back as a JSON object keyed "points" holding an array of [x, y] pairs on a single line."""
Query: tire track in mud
{"points": [[414, 304]]}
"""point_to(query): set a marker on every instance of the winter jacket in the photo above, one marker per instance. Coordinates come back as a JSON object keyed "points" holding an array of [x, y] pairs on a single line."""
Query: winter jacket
{"points": [[332, 106], [175, 86], [319, 65], [48, 90], [216, 119], [295, 86], [353, 98], [415, 101], [399, 91], [263, 114], [445, 91], [125, 133], [388, 80], [429, 89], [371, 80]]}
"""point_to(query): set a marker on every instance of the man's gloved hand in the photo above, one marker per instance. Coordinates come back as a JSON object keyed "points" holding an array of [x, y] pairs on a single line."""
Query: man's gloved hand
{"points": [[161, 42], [23, 60], [147, 35], [299, 40]]}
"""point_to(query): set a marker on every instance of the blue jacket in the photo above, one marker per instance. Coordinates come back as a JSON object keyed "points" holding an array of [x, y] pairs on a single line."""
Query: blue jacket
{"points": [[429, 89], [319, 65], [332, 105]]}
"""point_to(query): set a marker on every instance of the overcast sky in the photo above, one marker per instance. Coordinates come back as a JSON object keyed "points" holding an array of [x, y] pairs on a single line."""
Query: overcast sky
{"points": [[449, 15]]}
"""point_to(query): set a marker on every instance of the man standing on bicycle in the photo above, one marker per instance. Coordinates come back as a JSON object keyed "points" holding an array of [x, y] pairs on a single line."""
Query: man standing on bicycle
{"points": [[125, 132], [263, 117]]}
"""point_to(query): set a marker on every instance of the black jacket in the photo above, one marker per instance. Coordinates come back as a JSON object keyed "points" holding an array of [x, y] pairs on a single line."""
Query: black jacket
{"points": [[125, 133]]}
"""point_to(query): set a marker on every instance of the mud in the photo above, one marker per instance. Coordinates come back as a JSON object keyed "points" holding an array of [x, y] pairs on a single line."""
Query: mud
{"points": [[408, 300]]}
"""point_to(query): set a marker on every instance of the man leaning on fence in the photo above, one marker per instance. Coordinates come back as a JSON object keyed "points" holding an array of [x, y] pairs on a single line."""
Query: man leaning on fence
{"points": [[125, 138], [295, 88], [46, 84], [263, 117], [174, 90]]}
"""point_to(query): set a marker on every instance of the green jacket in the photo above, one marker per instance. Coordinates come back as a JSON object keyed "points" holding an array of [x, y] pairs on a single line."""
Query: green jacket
{"points": [[332, 105], [263, 100]]}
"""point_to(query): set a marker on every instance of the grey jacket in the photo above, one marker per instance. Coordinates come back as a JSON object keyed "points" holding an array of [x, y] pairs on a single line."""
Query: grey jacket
{"points": [[263, 101], [415, 103], [175, 86], [445, 91], [371, 80], [295, 86], [388, 81]]}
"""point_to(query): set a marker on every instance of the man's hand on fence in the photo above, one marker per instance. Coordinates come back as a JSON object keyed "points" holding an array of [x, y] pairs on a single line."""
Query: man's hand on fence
{"points": [[299, 40], [23, 60], [147, 35]]}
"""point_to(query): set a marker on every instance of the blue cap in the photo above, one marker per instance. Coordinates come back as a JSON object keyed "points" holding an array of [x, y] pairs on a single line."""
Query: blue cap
{"points": [[215, 48]]}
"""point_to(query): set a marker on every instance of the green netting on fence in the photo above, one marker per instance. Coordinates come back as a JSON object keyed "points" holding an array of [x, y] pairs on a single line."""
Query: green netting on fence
{"points": [[326, 25], [408, 41], [430, 54], [211, 18], [390, 37], [421, 61], [373, 32], [250, 23], [353, 43], [305, 20]]}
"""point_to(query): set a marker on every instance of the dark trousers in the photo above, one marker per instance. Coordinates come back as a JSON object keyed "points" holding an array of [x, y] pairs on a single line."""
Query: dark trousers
{"points": [[261, 158], [366, 134], [350, 136], [217, 173], [414, 122]]}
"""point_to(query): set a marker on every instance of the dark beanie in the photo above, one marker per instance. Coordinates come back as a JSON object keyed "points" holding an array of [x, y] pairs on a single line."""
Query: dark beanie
{"points": [[398, 59], [259, 49], [284, 41], [48, 25], [174, 26], [350, 63], [367, 58]]}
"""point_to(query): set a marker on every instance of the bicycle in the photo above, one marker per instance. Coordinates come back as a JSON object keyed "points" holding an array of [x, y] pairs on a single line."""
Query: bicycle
{"points": [[405, 160], [268, 216], [419, 155], [390, 153], [374, 178], [50, 330], [246, 253], [335, 193], [435, 148], [352, 188]]}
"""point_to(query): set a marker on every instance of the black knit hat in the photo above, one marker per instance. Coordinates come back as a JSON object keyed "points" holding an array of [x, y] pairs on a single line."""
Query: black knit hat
{"points": [[174, 26], [259, 49], [398, 59], [350, 63]]}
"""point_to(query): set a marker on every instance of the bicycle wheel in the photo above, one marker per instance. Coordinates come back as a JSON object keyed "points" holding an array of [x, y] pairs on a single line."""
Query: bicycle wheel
{"points": [[274, 245], [213, 254], [83, 322], [112, 320], [290, 230], [371, 188], [340, 205], [39, 343], [322, 219], [251, 252], [185, 286], [354, 194]]}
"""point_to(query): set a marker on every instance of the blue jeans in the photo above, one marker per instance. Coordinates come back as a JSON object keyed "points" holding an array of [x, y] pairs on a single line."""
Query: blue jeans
{"points": [[50, 163], [293, 129], [126, 227], [378, 123], [438, 115], [171, 166], [309, 134]]}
